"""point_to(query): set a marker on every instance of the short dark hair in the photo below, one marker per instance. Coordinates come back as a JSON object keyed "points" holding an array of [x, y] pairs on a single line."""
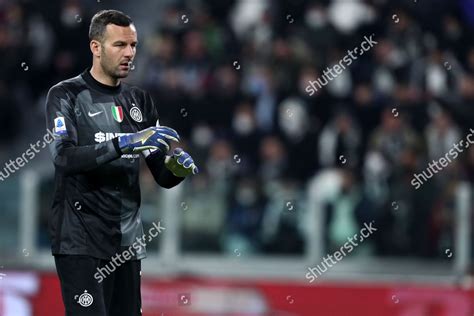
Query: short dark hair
{"points": [[102, 18]]}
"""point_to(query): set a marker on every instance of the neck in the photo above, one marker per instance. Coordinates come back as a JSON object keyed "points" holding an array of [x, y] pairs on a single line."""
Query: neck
{"points": [[98, 74]]}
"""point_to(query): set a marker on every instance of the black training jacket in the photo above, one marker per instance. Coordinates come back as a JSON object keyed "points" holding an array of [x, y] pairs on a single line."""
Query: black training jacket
{"points": [[95, 209]]}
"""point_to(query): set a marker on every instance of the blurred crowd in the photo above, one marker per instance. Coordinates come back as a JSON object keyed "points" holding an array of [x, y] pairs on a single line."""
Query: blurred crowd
{"points": [[231, 77]]}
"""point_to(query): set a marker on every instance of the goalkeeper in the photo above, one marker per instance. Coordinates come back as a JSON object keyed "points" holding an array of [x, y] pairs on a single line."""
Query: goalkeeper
{"points": [[102, 126]]}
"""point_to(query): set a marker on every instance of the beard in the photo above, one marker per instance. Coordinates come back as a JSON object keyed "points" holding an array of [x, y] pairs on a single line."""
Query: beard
{"points": [[111, 69]]}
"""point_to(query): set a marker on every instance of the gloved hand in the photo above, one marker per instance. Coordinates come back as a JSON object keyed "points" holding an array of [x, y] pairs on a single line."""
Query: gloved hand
{"points": [[153, 138], [181, 164]]}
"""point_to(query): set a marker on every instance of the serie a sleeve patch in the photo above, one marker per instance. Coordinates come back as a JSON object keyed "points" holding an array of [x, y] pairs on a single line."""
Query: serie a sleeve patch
{"points": [[60, 126]]}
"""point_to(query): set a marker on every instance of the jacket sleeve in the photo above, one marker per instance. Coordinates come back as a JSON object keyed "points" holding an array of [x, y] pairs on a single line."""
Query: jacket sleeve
{"points": [[68, 157], [165, 178], [156, 160]]}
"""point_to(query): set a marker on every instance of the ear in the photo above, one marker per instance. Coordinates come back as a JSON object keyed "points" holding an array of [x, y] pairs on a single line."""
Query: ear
{"points": [[95, 47]]}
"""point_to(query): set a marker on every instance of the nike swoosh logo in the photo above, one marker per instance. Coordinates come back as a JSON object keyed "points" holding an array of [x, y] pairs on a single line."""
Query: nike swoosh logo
{"points": [[94, 114]]}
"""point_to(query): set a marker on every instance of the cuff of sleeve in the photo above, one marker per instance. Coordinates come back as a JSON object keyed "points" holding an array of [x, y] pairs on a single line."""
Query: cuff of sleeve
{"points": [[116, 145], [156, 156], [170, 179]]}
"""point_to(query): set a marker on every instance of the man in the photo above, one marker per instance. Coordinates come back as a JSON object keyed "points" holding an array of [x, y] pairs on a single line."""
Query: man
{"points": [[101, 127]]}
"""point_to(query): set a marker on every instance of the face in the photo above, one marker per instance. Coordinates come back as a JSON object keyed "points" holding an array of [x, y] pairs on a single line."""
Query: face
{"points": [[117, 50]]}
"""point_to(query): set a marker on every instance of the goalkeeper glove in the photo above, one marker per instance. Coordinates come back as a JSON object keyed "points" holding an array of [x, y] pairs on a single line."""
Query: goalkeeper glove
{"points": [[154, 138], [181, 164]]}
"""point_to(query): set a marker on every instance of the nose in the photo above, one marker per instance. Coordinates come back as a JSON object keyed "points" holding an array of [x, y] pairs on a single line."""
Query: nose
{"points": [[130, 51]]}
